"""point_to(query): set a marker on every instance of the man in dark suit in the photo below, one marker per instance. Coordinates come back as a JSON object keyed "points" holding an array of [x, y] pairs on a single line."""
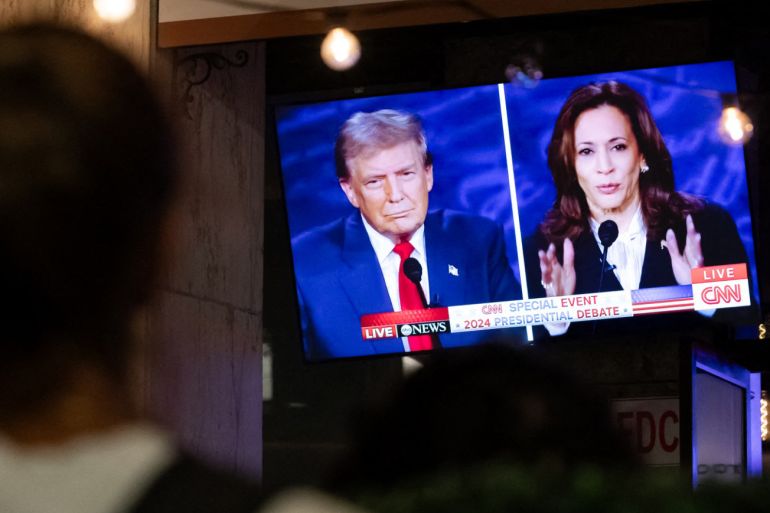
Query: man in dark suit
{"points": [[354, 266]]}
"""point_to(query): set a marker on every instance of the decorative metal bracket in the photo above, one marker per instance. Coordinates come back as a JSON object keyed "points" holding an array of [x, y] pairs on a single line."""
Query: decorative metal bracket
{"points": [[198, 69]]}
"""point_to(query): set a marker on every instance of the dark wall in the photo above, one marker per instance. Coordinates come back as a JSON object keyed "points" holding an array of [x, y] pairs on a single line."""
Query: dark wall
{"points": [[202, 365]]}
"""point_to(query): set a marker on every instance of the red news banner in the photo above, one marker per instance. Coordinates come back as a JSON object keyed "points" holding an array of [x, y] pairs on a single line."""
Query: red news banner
{"points": [[724, 286]]}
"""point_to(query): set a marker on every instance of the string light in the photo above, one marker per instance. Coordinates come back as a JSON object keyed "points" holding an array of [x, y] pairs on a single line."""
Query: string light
{"points": [[763, 416], [340, 49], [114, 11], [735, 127]]}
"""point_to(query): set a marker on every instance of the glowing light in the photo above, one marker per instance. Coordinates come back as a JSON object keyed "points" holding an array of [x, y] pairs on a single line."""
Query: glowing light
{"points": [[340, 49], [735, 127], [525, 72], [763, 416], [114, 11]]}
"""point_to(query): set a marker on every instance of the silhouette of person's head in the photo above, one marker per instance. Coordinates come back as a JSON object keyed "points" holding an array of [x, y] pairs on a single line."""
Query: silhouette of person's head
{"points": [[482, 405], [86, 175]]}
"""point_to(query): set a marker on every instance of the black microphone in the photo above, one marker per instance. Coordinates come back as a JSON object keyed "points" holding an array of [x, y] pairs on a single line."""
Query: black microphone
{"points": [[608, 233], [413, 271]]}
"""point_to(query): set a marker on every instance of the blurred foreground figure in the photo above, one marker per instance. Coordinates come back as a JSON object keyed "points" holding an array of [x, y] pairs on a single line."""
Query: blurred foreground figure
{"points": [[86, 178], [487, 404], [491, 429]]}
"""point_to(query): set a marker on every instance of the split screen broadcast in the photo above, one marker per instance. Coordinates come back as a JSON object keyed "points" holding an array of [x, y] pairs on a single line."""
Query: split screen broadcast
{"points": [[584, 205]]}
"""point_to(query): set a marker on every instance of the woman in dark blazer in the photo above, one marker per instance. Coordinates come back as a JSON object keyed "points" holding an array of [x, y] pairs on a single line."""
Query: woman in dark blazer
{"points": [[609, 162]]}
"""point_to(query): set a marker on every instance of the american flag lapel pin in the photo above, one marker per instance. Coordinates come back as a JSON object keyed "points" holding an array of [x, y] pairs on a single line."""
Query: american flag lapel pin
{"points": [[453, 270]]}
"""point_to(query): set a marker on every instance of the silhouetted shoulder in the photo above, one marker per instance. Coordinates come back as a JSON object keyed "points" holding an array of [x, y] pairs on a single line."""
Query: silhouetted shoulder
{"points": [[191, 486]]}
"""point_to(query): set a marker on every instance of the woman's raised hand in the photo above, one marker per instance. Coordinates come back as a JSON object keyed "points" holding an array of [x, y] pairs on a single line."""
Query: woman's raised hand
{"points": [[558, 279], [683, 263]]}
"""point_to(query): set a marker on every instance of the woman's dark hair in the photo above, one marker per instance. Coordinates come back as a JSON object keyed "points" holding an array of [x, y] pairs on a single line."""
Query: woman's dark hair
{"points": [[662, 207], [86, 175]]}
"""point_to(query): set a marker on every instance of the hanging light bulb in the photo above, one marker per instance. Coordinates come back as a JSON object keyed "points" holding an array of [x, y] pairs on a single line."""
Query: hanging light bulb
{"points": [[340, 49], [735, 126], [114, 11]]}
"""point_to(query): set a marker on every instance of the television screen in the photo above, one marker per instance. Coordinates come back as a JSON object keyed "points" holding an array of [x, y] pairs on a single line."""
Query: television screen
{"points": [[430, 219]]}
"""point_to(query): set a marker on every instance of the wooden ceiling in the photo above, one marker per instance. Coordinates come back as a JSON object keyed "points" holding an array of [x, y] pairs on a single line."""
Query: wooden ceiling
{"points": [[195, 22]]}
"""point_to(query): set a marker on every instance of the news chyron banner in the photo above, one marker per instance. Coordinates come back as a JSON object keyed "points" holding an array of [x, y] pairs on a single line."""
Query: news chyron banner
{"points": [[724, 286]]}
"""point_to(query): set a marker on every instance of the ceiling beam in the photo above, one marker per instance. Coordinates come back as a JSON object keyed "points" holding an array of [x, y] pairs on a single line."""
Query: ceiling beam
{"points": [[405, 13]]}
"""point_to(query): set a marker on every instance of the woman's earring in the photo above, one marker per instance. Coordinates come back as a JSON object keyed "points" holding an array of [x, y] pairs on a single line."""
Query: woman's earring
{"points": [[644, 167]]}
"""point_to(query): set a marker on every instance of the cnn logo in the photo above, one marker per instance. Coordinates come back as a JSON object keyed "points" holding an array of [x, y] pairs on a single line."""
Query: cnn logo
{"points": [[721, 294]]}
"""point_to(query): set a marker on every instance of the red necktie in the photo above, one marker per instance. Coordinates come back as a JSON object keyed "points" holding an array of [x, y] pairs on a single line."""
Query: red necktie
{"points": [[410, 296]]}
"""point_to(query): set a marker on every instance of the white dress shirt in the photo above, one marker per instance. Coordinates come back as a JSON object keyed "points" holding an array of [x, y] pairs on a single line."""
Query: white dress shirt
{"points": [[102, 473], [626, 254], [390, 262]]}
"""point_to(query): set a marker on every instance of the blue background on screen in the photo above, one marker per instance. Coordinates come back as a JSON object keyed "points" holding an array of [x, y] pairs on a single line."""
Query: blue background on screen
{"points": [[463, 128], [464, 133]]}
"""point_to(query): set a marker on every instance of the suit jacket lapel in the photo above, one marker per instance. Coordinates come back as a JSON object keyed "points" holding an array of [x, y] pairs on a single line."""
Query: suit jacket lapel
{"points": [[361, 275], [446, 264], [656, 268], [588, 262]]}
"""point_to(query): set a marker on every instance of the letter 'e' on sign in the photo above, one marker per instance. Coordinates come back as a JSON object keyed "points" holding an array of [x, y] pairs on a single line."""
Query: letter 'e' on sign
{"points": [[651, 426], [720, 286]]}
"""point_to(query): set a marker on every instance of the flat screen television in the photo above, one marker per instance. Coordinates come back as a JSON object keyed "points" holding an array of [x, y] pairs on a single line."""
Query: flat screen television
{"points": [[486, 184]]}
